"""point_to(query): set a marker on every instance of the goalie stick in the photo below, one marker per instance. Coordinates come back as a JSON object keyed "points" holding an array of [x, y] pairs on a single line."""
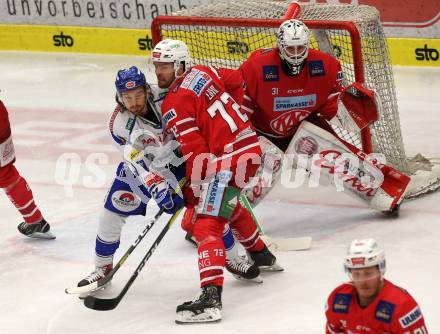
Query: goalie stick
{"points": [[101, 304], [278, 244], [103, 281]]}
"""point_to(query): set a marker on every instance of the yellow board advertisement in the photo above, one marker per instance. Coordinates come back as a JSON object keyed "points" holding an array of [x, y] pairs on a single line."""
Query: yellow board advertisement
{"points": [[403, 51], [414, 51], [75, 39]]}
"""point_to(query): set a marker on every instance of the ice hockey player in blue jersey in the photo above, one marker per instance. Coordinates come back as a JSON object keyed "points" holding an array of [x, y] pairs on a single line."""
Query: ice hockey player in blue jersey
{"points": [[136, 129]]}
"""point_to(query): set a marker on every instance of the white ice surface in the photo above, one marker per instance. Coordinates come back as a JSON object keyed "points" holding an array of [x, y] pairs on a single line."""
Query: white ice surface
{"points": [[60, 104]]}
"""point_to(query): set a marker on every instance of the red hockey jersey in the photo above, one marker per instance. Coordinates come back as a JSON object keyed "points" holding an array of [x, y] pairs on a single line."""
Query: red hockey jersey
{"points": [[277, 102], [393, 311], [5, 127], [7, 151], [233, 81], [205, 119]]}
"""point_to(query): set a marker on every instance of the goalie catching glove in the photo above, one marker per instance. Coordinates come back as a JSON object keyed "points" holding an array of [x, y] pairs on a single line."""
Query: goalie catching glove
{"points": [[363, 104]]}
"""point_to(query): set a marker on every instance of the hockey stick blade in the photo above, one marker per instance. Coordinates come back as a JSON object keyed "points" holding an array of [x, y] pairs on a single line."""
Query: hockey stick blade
{"points": [[103, 281], [277, 244], [100, 304], [287, 244]]}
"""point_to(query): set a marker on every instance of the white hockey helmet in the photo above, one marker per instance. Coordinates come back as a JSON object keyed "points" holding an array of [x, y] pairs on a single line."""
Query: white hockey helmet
{"points": [[171, 51], [364, 253], [293, 40]]}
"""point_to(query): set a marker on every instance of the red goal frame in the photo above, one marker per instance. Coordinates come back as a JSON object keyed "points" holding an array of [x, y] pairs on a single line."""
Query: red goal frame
{"points": [[292, 12]]}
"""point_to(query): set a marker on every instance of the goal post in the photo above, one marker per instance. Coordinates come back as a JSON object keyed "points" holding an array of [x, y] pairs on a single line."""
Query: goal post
{"points": [[226, 33]]}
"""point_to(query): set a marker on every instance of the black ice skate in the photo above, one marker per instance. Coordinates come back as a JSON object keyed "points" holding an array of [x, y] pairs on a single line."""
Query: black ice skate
{"points": [[39, 230], [97, 274], [94, 276], [265, 260], [205, 308], [241, 269], [90, 283], [190, 238]]}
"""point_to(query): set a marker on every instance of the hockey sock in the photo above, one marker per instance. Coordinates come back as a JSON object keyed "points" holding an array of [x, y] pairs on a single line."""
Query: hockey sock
{"points": [[208, 232], [229, 242], [245, 230], [108, 237], [20, 194]]}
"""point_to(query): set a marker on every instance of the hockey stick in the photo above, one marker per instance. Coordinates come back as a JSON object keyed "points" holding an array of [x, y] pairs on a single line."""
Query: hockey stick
{"points": [[277, 244], [100, 304], [103, 281]]}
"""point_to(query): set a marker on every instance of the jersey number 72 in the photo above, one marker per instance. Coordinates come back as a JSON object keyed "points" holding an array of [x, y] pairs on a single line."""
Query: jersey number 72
{"points": [[219, 106]]}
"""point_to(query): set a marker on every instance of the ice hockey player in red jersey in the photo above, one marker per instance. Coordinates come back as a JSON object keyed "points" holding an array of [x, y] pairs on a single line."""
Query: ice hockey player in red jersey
{"points": [[370, 303], [136, 126], [16, 187], [292, 92], [222, 153]]}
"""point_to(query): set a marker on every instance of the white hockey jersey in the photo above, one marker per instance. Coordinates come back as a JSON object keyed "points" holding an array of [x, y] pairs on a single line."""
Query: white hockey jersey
{"points": [[143, 142]]}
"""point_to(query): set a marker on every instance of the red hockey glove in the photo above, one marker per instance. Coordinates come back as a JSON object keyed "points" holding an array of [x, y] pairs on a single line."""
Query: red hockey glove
{"points": [[363, 104]]}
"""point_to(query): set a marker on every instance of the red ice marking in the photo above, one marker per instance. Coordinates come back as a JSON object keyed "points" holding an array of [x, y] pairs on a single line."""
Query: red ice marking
{"points": [[46, 134]]}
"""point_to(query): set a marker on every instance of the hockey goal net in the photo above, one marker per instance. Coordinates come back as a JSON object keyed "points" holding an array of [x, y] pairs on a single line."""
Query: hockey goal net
{"points": [[226, 33]]}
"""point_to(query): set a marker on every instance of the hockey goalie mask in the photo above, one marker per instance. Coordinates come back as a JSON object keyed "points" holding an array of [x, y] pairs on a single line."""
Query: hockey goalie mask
{"points": [[364, 254], [293, 39], [172, 51], [132, 90]]}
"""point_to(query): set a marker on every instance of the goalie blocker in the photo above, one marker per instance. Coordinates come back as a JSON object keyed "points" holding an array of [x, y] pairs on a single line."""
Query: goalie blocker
{"points": [[342, 165]]}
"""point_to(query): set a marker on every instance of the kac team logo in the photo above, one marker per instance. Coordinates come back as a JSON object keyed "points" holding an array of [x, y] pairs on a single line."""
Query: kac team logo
{"points": [[286, 122], [306, 145]]}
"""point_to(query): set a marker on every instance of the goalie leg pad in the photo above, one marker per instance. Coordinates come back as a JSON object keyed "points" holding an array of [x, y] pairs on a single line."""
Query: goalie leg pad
{"points": [[268, 173], [346, 168]]}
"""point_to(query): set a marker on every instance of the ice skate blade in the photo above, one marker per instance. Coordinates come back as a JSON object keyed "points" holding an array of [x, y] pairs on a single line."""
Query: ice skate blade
{"points": [[39, 235], [274, 267], [76, 290], [83, 296], [209, 315], [257, 280], [85, 289]]}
